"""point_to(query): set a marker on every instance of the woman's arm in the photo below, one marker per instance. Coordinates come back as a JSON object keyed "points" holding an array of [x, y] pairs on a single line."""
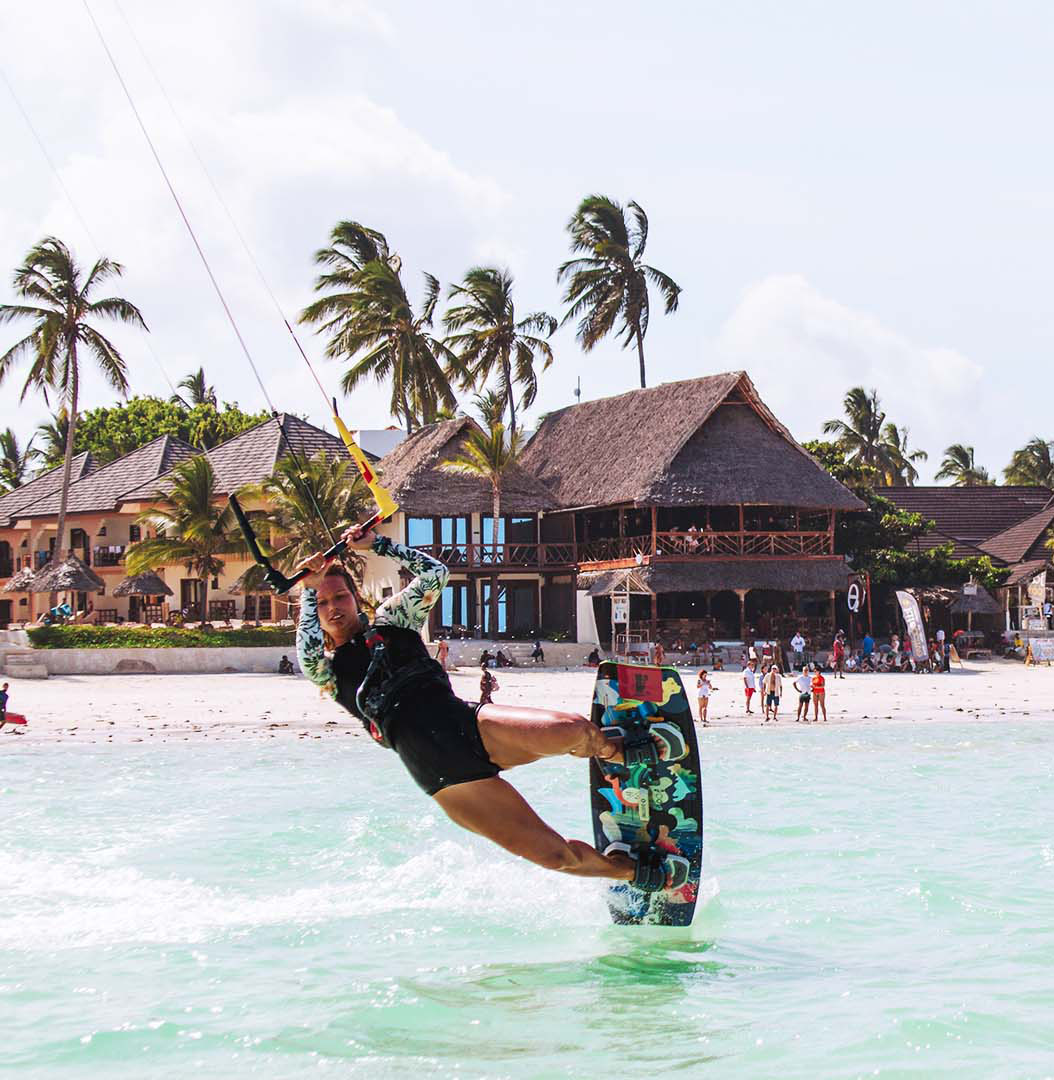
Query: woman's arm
{"points": [[410, 607], [310, 649]]}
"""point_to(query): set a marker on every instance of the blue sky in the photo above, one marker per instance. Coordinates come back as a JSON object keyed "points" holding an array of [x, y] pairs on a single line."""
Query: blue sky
{"points": [[848, 193]]}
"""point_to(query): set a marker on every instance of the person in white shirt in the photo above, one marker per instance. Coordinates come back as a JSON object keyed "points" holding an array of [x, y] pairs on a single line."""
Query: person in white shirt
{"points": [[750, 682], [803, 684], [704, 689], [798, 648]]}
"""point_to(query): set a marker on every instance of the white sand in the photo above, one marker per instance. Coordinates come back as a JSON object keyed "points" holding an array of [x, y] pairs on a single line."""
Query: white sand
{"points": [[181, 708]]}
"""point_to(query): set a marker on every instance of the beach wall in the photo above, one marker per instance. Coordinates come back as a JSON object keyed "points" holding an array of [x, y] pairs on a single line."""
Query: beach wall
{"points": [[163, 661]]}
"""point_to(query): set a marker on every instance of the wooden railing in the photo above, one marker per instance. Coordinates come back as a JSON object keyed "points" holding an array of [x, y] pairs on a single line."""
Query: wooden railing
{"points": [[744, 543], [475, 556]]}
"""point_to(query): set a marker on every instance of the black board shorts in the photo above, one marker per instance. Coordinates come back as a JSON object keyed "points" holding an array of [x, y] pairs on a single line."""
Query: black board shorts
{"points": [[437, 738]]}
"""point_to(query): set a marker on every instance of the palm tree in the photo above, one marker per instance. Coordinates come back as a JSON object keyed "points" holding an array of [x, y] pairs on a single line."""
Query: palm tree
{"points": [[860, 434], [959, 467], [1033, 464], [53, 433], [303, 497], [899, 460], [370, 321], [198, 391], [489, 339], [14, 461], [192, 527], [61, 308], [490, 455], [609, 282]]}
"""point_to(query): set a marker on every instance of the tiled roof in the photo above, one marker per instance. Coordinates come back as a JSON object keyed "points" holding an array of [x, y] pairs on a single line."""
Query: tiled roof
{"points": [[103, 488], [1026, 571], [968, 516], [252, 456], [14, 502], [1021, 540]]}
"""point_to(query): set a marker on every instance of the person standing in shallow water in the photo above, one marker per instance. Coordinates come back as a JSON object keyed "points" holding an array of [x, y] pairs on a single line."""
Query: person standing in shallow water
{"points": [[454, 750]]}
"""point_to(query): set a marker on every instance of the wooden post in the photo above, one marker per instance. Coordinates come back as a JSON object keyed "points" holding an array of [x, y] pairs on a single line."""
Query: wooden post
{"points": [[654, 617], [654, 531], [834, 612], [742, 594]]}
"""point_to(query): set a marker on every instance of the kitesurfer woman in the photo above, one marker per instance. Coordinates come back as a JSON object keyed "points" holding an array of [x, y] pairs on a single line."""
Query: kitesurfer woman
{"points": [[454, 750]]}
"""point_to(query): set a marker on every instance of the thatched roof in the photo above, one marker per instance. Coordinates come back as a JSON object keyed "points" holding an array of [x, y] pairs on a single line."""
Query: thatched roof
{"points": [[21, 582], [413, 474], [251, 581], [980, 602], [1026, 571], [606, 582], [70, 575], [708, 441], [714, 575], [148, 584]]}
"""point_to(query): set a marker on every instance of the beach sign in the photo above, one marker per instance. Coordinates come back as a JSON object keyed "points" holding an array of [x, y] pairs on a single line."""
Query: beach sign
{"points": [[916, 629]]}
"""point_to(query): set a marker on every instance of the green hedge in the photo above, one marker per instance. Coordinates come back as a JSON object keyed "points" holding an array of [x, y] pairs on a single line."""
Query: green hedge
{"points": [[169, 637]]}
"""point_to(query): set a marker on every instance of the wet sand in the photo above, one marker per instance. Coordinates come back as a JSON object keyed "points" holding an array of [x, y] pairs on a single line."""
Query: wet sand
{"points": [[85, 709]]}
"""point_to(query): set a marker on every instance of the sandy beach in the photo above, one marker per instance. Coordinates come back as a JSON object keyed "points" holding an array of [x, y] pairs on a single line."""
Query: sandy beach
{"points": [[170, 708]]}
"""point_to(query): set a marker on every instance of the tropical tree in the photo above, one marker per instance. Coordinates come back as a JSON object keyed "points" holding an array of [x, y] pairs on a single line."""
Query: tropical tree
{"points": [[959, 467], [304, 497], [489, 454], [1033, 464], [61, 308], [898, 460], [860, 434], [198, 391], [14, 461], [489, 340], [53, 434], [607, 283], [194, 527], [370, 322]]}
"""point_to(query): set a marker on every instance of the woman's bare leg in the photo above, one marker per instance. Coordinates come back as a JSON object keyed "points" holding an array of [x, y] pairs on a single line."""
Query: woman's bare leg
{"points": [[495, 809], [517, 735]]}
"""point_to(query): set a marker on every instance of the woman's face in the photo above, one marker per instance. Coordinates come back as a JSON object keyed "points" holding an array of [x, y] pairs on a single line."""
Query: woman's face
{"points": [[337, 611]]}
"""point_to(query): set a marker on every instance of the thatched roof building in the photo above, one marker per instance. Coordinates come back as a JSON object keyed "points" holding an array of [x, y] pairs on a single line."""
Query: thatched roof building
{"points": [[21, 581], [70, 575], [974, 600], [148, 584], [707, 441], [712, 575], [414, 474]]}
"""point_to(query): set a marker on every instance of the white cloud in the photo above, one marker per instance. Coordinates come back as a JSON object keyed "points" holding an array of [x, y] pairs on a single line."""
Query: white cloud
{"points": [[805, 349]]}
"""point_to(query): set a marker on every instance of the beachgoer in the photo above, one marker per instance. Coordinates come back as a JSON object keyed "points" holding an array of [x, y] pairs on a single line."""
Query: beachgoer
{"points": [[798, 648], [538, 653], [660, 654], [442, 652], [803, 684], [487, 685], [501, 660], [819, 695], [750, 682], [593, 659], [486, 657], [838, 654], [869, 648], [773, 687], [704, 689], [455, 750], [285, 666]]}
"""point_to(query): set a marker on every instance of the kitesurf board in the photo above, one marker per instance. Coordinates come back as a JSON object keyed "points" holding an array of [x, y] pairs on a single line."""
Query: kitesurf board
{"points": [[668, 809]]}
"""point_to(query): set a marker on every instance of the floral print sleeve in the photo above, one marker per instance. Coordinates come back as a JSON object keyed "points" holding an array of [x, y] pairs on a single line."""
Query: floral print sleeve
{"points": [[410, 607], [310, 649]]}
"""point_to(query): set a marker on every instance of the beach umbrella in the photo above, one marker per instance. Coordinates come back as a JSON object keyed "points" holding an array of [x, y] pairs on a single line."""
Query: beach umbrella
{"points": [[252, 581], [974, 600], [21, 582], [69, 575], [148, 584]]}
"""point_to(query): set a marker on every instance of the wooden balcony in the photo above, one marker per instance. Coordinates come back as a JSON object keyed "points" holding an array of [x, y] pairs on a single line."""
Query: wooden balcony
{"points": [[501, 556], [596, 554]]}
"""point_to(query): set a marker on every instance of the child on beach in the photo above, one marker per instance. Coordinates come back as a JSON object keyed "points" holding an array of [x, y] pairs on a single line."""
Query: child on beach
{"points": [[487, 685], [803, 684], [773, 687], [819, 696], [705, 689], [750, 682]]}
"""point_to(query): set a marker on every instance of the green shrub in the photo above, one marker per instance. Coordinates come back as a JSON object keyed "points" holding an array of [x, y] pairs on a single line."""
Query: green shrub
{"points": [[167, 637]]}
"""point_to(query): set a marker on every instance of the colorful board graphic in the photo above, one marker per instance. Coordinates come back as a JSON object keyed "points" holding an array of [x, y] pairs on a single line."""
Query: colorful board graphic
{"points": [[667, 807]]}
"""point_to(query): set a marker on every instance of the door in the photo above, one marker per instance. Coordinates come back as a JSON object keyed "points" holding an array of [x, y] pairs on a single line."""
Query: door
{"points": [[190, 596], [5, 612]]}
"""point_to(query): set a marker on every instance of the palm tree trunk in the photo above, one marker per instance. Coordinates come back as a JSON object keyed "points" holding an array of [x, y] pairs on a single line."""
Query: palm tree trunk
{"points": [[204, 597], [495, 517], [640, 353], [512, 398], [67, 465]]}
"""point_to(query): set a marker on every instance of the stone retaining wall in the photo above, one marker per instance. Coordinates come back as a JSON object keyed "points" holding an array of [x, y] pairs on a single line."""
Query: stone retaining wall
{"points": [[164, 661]]}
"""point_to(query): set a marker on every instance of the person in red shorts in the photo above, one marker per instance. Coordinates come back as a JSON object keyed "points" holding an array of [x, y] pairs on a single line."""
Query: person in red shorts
{"points": [[750, 681]]}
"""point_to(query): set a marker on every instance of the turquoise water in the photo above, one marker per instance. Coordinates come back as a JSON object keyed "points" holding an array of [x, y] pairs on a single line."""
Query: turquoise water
{"points": [[877, 901]]}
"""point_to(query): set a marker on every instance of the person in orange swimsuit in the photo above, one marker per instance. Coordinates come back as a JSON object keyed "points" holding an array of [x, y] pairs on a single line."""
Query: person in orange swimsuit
{"points": [[819, 695]]}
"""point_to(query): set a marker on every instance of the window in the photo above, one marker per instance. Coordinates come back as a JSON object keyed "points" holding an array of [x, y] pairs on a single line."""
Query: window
{"points": [[453, 606], [135, 534], [419, 531]]}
